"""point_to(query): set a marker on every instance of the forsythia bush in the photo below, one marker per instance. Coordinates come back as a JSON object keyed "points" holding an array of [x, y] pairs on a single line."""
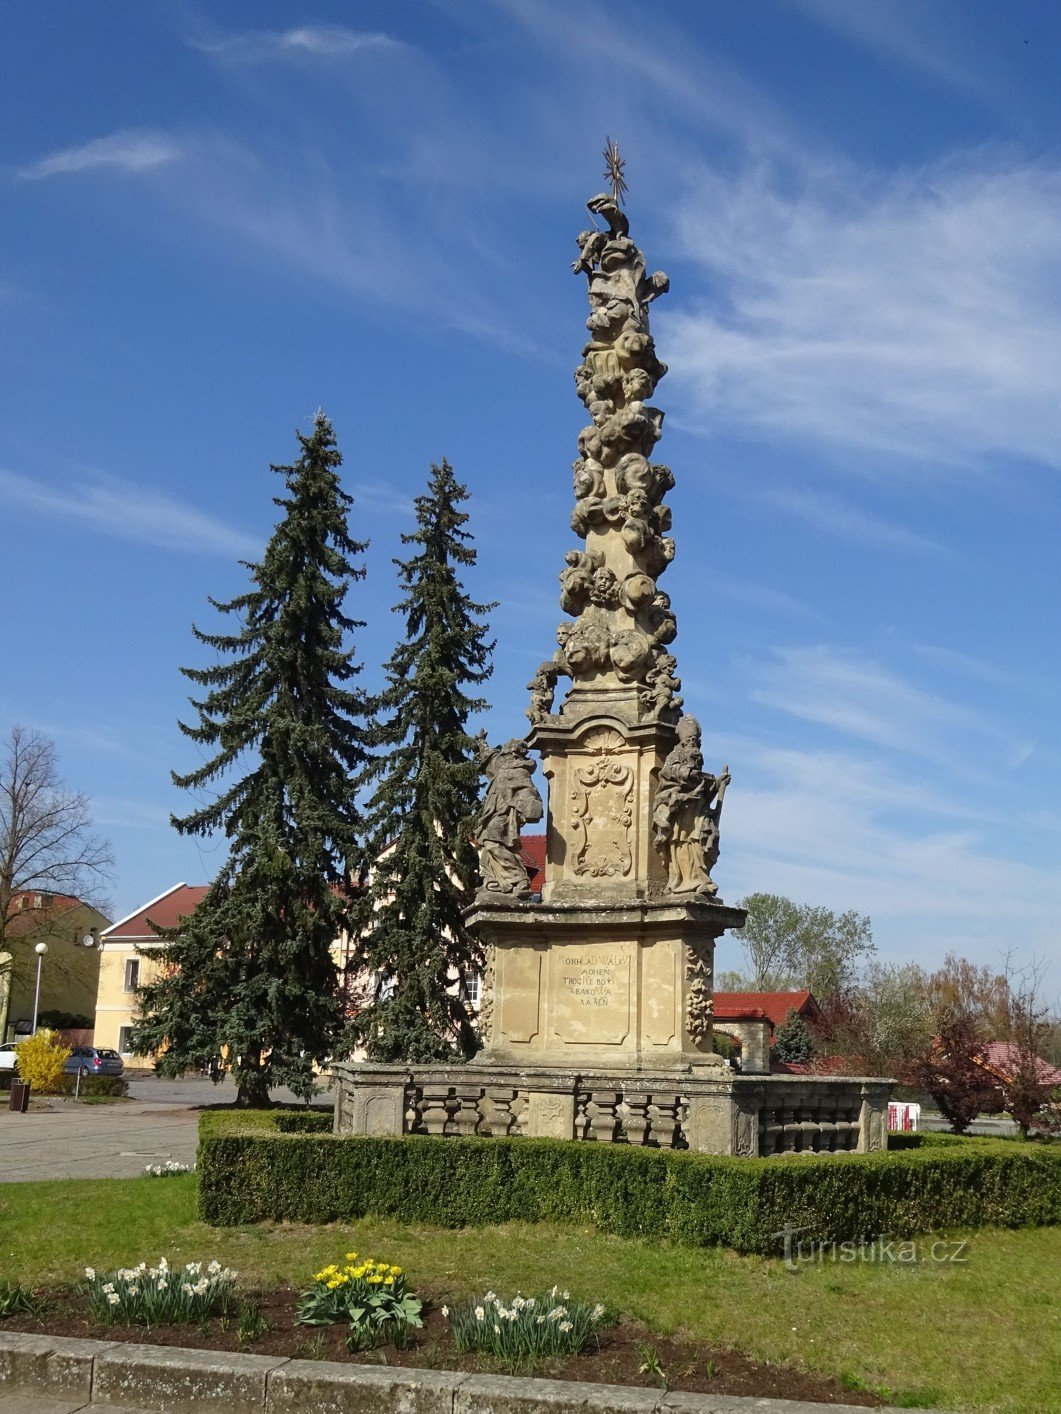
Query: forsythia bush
{"points": [[250, 1172], [41, 1060]]}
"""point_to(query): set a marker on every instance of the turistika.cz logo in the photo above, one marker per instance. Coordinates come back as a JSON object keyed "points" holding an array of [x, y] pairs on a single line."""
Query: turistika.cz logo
{"points": [[799, 1252]]}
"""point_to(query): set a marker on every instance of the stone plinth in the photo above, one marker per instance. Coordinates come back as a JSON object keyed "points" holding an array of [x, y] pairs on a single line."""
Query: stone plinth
{"points": [[677, 1108], [599, 983]]}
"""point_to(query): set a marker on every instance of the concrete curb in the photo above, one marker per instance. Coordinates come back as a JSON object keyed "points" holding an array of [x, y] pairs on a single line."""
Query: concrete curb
{"points": [[110, 1376]]}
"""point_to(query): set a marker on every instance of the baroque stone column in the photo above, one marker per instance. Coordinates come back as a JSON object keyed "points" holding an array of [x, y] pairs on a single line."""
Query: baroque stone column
{"points": [[614, 965]]}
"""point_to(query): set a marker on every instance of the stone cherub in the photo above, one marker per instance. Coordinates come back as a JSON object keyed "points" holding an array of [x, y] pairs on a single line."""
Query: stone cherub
{"points": [[661, 686], [542, 688], [685, 819], [511, 801]]}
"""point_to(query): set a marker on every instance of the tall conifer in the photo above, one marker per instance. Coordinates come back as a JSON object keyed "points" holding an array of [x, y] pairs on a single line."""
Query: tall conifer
{"points": [[426, 793], [249, 975]]}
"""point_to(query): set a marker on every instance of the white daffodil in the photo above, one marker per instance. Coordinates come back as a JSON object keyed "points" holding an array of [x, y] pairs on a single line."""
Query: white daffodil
{"points": [[480, 1314], [597, 1312], [445, 1311], [565, 1326], [113, 1298]]}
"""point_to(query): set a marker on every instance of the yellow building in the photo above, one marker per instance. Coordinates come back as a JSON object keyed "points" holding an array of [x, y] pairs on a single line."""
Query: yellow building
{"points": [[122, 969], [69, 970]]}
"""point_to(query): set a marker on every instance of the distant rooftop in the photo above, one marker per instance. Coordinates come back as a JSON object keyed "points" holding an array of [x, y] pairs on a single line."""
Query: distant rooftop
{"points": [[165, 911]]}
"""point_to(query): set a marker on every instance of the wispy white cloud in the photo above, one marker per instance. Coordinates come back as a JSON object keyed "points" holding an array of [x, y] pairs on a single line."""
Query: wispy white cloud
{"points": [[111, 506], [848, 692], [336, 224], [379, 496], [920, 37], [851, 832], [913, 315], [302, 41], [833, 516], [133, 152], [761, 596], [116, 812]]}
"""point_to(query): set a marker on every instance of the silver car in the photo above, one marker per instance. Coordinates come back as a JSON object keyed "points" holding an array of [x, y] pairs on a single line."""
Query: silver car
{"points": [[92, 1060]]}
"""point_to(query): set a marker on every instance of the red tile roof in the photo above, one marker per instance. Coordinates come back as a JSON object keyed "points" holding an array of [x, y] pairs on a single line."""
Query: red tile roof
{"points": [[533, 850], [1003, 1057], [165, 911], [775, 1006], [27, 916]]}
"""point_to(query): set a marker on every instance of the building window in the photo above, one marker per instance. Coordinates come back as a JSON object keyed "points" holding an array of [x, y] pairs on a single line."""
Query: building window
{"points": [[474, 983], [125, 1040], [132, 974]]}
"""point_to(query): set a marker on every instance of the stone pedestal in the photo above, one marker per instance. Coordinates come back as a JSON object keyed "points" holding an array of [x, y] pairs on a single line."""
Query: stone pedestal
{"points": [[599, 983]]}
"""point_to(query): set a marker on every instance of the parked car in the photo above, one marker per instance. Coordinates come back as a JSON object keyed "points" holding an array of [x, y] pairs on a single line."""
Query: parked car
{"points": [[9, 1056], [92, 1060]]}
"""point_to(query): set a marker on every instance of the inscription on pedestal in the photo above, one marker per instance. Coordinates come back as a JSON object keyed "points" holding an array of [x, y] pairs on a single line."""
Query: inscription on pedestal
{"points": [[591, 996]]}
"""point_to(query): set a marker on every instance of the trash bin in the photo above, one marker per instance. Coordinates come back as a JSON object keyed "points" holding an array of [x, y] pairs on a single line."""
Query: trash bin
{"points": [[19, 1096]]}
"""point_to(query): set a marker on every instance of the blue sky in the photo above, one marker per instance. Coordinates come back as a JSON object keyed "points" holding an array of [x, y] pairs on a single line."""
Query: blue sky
{"points": [[215, 219]]}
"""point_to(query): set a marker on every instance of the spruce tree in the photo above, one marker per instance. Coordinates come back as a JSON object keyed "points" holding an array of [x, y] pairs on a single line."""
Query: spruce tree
{"points": [[426, 791], [249, 976], [792, 1040]]}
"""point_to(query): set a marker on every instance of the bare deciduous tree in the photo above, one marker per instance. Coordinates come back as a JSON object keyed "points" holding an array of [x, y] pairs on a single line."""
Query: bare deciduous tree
{"points": [[47, 846]]}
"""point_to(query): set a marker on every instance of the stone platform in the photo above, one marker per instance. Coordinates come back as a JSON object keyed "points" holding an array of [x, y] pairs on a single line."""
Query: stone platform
{"points": [[711, 1110]]}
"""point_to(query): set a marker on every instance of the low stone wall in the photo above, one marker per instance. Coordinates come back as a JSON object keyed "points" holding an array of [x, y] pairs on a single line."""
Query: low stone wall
{"points": [[97, 1375], [669, 1109]]}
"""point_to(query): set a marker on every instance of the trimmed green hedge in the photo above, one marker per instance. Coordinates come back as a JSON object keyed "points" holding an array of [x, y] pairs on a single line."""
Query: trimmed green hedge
{"points": [[249, 1171]]}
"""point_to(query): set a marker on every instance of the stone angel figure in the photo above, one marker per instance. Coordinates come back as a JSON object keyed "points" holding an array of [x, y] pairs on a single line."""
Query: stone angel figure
{"points": [[511, 801], [685, 818]]}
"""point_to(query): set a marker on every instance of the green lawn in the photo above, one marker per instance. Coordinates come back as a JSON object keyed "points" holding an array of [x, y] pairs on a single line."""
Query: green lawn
{"points": [[985, 1334]]}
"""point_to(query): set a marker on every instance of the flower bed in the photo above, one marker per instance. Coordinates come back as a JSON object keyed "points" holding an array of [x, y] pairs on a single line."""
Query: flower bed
{"points": [[616, 1356]]}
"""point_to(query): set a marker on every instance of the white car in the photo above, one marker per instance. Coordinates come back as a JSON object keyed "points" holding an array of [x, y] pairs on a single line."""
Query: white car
{"points": [[9, 1056]]}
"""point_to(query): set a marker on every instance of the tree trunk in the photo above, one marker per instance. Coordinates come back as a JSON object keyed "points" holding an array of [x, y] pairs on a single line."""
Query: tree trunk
{"points": [[252, 1089]]}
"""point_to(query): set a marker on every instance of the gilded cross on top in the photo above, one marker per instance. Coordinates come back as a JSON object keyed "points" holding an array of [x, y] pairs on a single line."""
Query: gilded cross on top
{"points": [[613, 171]]}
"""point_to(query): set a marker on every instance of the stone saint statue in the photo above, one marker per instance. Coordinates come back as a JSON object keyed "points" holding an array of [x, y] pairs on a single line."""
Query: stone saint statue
{"points": [[686, 814], [511, 801]]}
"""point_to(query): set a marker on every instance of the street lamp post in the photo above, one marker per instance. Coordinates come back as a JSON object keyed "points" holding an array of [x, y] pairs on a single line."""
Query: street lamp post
{"points": [[41, 950]]}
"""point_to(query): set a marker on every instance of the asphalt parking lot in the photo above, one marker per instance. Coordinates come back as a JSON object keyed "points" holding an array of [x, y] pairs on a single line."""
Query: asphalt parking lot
{"points": [[68, 1139]]}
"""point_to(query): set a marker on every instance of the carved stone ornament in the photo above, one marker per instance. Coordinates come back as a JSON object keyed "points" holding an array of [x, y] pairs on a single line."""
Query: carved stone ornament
{"points": [[610, 587], [511, 801], [685, 817], [602, 810], [699, 995], [485, 1019]]}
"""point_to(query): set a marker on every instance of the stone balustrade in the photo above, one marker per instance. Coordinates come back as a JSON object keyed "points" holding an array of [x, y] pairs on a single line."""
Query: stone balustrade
{"points": [[717, 1113]]}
